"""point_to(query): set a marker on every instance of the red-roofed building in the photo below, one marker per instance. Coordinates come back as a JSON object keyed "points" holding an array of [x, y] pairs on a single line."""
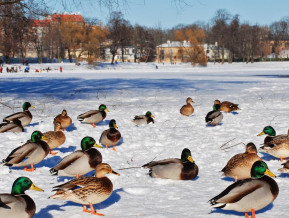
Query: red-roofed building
{"points": [[45, 46]]}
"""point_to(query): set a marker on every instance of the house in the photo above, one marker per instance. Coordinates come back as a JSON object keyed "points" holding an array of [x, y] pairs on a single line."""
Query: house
{"points": [[47, 47], [173, 51], [130, 54]]}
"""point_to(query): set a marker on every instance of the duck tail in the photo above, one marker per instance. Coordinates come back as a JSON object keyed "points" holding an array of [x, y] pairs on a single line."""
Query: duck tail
{"points": [[79, 118], [53, 172]]}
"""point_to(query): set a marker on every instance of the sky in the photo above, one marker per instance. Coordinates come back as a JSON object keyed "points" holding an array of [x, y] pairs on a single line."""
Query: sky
{"points": [[169, 13]]}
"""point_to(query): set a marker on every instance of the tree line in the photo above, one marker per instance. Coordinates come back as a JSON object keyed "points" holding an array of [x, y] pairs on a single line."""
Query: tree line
{"points": [[19, 33]]}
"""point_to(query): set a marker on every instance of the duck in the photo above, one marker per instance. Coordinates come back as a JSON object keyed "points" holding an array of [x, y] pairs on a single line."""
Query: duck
{"points": [[214, 116], [17, 203], [144, 119], [14, 126], [30, 153], [270, 132], [87, 190], [64, 119], [174, 168], [111, 136], [94, 116], [277, 146], [250, 194], [239, 166], [55, 138], [81, 161], [25, 116], [187, 109], [227, 106], [285, 168]]}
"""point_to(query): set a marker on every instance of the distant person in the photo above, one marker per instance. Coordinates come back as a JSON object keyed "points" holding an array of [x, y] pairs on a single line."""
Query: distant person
{"points": [[27, 63], [60, 68], [157, 67], [26, 70], [1, 69], [7, 69], [23, 61], [1, 63]]}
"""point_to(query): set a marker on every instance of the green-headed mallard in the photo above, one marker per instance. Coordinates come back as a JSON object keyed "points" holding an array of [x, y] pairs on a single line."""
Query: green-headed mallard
{"points": [[144, 119], [79, 162], [111, 136], [250, 194], [270, 132], [14, 126], [18, 204], [55, 138], [32, 152], [285, 168], [88, 190], [174, 168], [25, 116], [214, 116], [227, 106], [277, 146], [187, 109], [239, 166], [64, 119], [93, 116]]}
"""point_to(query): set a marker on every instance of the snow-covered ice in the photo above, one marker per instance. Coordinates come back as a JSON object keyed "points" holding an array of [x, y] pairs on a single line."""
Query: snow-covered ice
{"points": [[260, 89]]}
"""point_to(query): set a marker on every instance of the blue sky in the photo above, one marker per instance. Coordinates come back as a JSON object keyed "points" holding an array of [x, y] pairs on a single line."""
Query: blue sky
{"points": [[169, 13]]}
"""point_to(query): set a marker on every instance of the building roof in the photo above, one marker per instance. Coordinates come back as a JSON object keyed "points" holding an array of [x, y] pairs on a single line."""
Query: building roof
{"points": [[56, 18], [67, 17]]}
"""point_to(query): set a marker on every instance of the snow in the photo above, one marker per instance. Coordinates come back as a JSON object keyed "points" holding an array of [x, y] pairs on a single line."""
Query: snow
{"points": [[260, 89]]}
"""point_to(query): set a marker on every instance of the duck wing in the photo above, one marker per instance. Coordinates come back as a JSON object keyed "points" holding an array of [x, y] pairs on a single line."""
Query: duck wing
{"points": [[87, 114], [11, 127], [68, 160], [162, 162], [20, 153], [236, 192]]}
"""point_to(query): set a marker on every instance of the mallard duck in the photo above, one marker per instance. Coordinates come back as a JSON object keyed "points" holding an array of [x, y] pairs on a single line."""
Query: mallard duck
{"points": [[214, 116], [79, 162], [143, 119], [277, 146], [174, 168], [239, 166], [250, 194], [270, 132], [227, 106], [187, 109], [18, 204], [88, 190], [111, 136], [285, 168], [55, 138], [25, 116], [64, 119], [93, 116], [14, 126], [32, 152]]}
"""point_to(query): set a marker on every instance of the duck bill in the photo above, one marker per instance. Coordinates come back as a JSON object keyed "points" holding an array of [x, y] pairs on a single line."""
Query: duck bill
{"points": [[113, 172], [190, 159], [152, 116], [261, 133], [44, 138], [115, 126], [269, 173], [97, 145], [35, 188], [32, 106], [106, 110]]}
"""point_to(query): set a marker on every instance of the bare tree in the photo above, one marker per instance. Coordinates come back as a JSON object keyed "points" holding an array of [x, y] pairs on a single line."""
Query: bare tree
{"points": [[220, 29]]}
